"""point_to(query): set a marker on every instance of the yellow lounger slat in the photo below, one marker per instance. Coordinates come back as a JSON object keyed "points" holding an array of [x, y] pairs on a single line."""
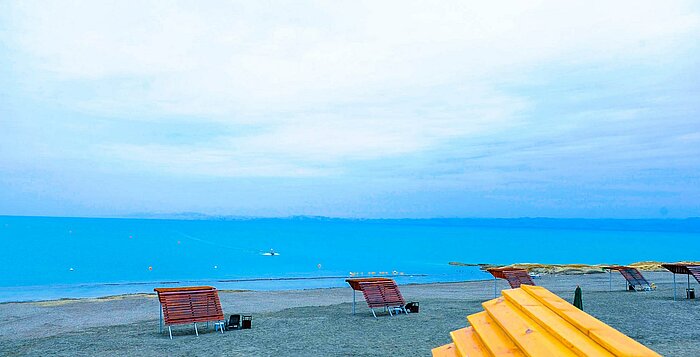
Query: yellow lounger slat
{"points": [[567, 333], [529, 336], [532, 321], [447, 350], [613, 340], [494, 339], [468, 343]]}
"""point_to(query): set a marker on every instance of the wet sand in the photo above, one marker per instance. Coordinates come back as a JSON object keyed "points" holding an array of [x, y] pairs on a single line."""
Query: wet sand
{"points": [[319, 322]]}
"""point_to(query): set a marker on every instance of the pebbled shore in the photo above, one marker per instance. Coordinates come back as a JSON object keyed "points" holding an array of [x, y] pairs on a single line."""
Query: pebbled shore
{"points": [[319, 322]]}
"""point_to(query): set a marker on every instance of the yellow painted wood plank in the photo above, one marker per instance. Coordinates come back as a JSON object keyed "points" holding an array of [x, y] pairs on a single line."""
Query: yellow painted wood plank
{"points": [[528, 335], [447, 350], [573, 338], [492, 336], [621, 344], [613, 340], [468, 343]]}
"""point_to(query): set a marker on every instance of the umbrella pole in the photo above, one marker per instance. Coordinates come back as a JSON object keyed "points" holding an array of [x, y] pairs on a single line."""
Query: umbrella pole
{"points": [[610, 280]]}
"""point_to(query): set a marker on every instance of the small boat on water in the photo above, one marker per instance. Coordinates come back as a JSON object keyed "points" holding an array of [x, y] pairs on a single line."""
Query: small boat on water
{"points": [[271, 253]]}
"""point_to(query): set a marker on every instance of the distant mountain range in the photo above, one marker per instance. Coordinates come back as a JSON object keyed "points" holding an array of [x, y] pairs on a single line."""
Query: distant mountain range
{"points": [[685, 225]]}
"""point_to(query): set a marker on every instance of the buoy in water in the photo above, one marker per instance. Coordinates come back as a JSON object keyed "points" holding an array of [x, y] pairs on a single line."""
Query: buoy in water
{"points": [[216, 267], [319, 265], [150, 268], [71, 269]]}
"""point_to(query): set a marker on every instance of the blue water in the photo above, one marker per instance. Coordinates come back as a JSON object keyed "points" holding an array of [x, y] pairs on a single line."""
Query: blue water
{"points": [[47, 258]]}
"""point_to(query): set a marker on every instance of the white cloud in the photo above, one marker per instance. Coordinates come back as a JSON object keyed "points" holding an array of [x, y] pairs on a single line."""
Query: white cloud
{"points": [[323, 81], [222, 57]]}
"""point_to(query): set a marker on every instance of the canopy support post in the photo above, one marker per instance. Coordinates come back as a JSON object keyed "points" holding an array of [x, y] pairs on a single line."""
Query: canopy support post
{"points": [[495, 294], [674, 286], [353, 301]]}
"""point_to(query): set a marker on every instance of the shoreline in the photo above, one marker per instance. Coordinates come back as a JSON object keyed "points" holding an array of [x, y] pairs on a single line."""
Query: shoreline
{"points": [[106, 291], [106, 298], [35, 293]]}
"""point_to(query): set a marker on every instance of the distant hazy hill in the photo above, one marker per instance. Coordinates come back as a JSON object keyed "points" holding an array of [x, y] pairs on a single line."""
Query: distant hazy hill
{"points": [[672, 225]]}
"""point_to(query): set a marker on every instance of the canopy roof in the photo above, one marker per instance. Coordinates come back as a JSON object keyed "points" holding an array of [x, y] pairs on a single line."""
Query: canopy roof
{"points": [[355, 282], [679, 268]]}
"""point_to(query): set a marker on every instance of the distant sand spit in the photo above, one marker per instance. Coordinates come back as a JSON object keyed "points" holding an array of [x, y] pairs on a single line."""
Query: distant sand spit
{"points": [[572, 269]]}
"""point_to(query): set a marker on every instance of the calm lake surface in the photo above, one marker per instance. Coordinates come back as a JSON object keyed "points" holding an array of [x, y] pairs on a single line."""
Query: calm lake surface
{"points": [[48, 258]]}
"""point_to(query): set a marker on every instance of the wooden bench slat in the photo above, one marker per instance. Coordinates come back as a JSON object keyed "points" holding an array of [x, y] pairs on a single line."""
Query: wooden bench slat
{"points": [[190, 305], [382, 293]]}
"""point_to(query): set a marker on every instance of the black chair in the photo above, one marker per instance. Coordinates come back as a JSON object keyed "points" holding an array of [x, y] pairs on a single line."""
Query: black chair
{"points": [[234, 322], [412, 307]]}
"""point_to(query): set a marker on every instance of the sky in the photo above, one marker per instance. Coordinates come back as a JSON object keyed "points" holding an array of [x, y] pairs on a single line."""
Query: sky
{"points": [[376, 109]]}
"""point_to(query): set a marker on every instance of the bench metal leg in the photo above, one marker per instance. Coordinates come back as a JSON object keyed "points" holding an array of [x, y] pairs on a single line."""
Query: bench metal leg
{"points": [[161, 319], [195, 329], [171, 332], [375, 315]]}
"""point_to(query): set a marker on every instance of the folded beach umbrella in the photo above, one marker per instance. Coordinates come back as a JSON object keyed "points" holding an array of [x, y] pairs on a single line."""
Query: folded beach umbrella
{"points": [[578, 300]]}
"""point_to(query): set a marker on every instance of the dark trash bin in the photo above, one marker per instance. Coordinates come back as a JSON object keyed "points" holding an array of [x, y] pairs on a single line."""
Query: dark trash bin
{"points": [[690, 293], [247, 322], [412, 307]]}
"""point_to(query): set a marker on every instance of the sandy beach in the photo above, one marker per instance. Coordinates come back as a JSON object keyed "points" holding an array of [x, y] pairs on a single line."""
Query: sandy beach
{"points": [[319, 322]]}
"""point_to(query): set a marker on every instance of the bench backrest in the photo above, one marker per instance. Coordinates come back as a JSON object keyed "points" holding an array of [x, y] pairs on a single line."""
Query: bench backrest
{"points": [[635, 278], [188, 306], [355, 282], [517, 277], [382, 293], [695, 271]]}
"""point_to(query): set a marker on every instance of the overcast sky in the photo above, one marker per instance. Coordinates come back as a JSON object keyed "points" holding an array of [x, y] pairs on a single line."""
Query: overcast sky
{"points": [[351, 109]]}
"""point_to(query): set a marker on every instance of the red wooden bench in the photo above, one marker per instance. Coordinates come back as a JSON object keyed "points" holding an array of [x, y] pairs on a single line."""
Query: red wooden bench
{"points": [[634, 277], [382, 294], [190, 305], [518, 277], [514, 276], [355, 285]]}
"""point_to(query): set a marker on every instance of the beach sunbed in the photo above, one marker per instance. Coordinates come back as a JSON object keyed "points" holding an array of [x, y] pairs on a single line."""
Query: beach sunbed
{"points": [[514, 276], [532, 321], [683, 268], [634, 277], [355, 285], [190, 305], [695, 272], [383, 294]]}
